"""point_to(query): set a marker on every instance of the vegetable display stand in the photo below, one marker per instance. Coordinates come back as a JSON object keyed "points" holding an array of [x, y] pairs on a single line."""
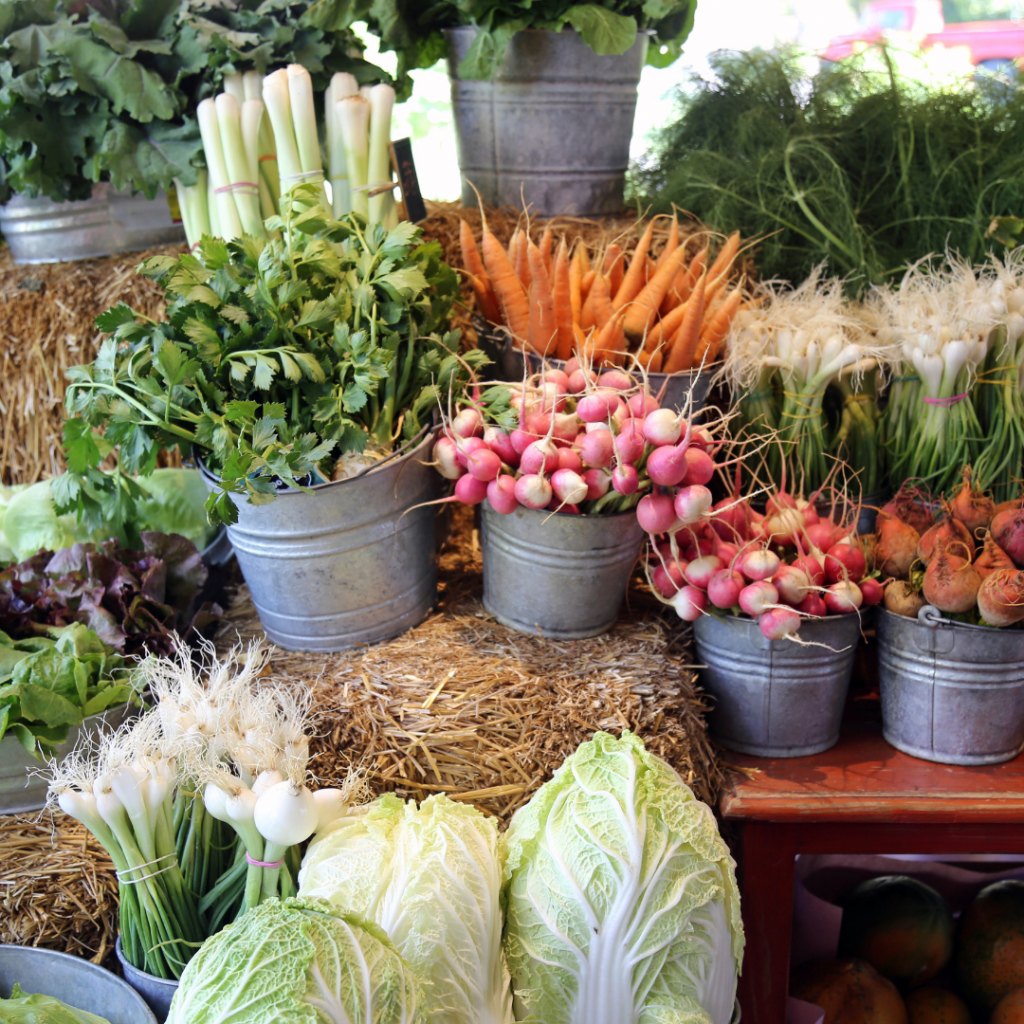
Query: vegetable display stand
{"points": [[73, 980], [776, 698], [157, 992], [21, 792], [552, 130], [347, 562], [951, 692], [560, 575]]}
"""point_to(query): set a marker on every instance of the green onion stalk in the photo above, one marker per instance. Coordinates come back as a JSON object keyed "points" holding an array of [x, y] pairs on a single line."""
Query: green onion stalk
{"points": [[856, 440], [288, 96], [1000, 407]]}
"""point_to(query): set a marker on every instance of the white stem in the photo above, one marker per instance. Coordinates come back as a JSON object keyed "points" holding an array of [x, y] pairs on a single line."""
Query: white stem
{"points": [[353, 114], [227, 216], [234, 86], [253, 85], [382, 102], [244, 188], [278, 104]]}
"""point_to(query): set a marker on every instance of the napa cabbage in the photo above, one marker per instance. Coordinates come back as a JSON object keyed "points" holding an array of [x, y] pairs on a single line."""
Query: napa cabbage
{"points": [[620, 896], [430, 876], [300, 961]]}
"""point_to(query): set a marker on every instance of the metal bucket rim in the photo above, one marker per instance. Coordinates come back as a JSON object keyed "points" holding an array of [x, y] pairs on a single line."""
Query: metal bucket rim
{"points": [[400, 455], [726, 616], [593, 517], [992, 630], [455, 30]]}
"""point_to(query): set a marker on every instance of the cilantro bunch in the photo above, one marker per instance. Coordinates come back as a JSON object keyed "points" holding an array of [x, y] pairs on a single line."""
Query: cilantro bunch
{"points": [[413, 28], [279, 355]]}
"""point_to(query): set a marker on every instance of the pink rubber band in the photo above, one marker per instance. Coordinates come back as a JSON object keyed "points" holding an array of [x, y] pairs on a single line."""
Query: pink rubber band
{"points": [[946, 401], [236, 186], [264, 863]]}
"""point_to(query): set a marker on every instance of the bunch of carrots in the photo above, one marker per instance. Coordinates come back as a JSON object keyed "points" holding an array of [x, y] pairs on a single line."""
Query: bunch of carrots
{"points": [[671, 313]]}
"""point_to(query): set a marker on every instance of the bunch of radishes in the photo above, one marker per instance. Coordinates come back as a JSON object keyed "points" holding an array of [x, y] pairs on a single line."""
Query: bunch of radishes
{"points": [[790, 563], [570, 441], [966, 561]]}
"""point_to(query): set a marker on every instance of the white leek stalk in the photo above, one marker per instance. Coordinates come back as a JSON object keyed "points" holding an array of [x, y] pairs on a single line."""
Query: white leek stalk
{"points": [[307, 137], [279, 110], [235, 86], [382, 102], [193, 201], [252, 122], [341, 86], [243, 187], [252, 82], [353, 115], [227, 216]]}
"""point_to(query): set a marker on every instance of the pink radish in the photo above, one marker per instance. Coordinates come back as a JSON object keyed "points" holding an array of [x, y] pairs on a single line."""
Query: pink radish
{"points": [[578, 380], [668, 579], [521, 440], [501, 494], [533, 490], [501, 444], [793, 584], [701, 438], [656, 513], [560, 377], [822, 534], [778, 501], [812, 567], [630, 444], [552, 397], [723, 550], [469, 490], [572, 364], [871, 590], [699, 466], [757, 563], [732, 519], [724, 588], [844, 562], [569, 486], [757, 598], [569, 458], [615, 379], [539, 424], [597, 448], [811, 517], [483, 464], [468, 423], [662, 427], [541, 456], [813, 604], [843, 597], [691, 503], [565, 428], [597, 407], [784, 527], [446, 456], [690, 603], [598, 481], [466, 447], [778, 623], [625, 479], [666, 466], [641, 405], [700, 570]]}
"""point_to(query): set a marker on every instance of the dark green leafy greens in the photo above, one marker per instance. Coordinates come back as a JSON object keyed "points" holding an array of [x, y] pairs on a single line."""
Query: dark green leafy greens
{"points": [[278, 356], [413, 29], [135, 601], [105, 90], [48, 684]]}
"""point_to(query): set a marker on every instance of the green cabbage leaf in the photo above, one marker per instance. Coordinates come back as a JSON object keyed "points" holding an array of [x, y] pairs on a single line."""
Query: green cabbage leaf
{"points": [[300, 961], [620, 896], [430, 876], [40, 1009]]}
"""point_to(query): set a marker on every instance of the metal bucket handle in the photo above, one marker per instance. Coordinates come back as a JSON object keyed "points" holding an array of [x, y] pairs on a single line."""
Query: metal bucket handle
{"points": [[931, 617]]}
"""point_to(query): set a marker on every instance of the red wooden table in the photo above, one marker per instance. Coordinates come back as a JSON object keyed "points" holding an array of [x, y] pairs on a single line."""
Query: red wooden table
{"points": [[861, 796]]}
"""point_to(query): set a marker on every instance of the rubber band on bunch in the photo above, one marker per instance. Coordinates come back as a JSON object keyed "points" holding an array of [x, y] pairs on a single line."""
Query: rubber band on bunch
{"points": [[946, 402], [757, 396], [245, 188], [138, 867], [304, 175], [263, 863]]}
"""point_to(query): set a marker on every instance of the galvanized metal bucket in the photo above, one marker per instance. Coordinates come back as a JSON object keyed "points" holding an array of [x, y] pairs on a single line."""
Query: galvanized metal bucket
{"points": [[555, 574], [43, 231], [21, 791], [346, 563], [157, 992], [672, 390], [553, 129], [951, 692], [776, 698], [75, 981]]}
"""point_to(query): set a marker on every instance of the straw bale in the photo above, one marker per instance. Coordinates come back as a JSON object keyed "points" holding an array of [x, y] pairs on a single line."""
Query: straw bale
{"points": [[46, 325], [463, 706], [58, 889]]}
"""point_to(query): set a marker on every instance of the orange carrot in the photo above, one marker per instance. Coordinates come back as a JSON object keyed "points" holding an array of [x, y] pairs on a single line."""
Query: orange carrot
{"points": [[584, 255], [486, 300], [523, 260], [725, 258], [508, 288], [716, 329], [513, 245], [671, 243], [661, 333], [608, 345], [543, 335], [686, 339], [545, 245], [644, 308], [682, 286], [597, 310], [654, 366], [634, 279], [614, 267], [576, 285], [579, 340], [470, 253], [561, 292]]}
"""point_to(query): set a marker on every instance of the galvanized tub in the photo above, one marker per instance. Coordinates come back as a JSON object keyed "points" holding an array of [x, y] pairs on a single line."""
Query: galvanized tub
{"points": [[552, 130], [776, 698], [20, 791], [672, 390], [951, 692], [346, 563], [141, 223], [157, 992], [42, 231], [75, 981], [556, 574]]}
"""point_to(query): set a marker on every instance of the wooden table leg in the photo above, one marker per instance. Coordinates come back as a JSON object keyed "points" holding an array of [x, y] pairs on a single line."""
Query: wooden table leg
{"points": [[767, 857]]}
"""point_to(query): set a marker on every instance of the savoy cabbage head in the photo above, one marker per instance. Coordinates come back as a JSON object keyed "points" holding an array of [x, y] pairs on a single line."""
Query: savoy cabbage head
{"points": [[620, 896]]}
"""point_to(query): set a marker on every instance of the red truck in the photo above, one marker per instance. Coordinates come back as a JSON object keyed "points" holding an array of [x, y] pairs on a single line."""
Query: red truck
{"points": [[994, 45]]}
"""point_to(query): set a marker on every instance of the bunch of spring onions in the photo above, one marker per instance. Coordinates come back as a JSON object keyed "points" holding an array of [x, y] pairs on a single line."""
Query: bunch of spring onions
{"points": [[201, 803], [939, 321], [261, 139], [784, 356]]}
